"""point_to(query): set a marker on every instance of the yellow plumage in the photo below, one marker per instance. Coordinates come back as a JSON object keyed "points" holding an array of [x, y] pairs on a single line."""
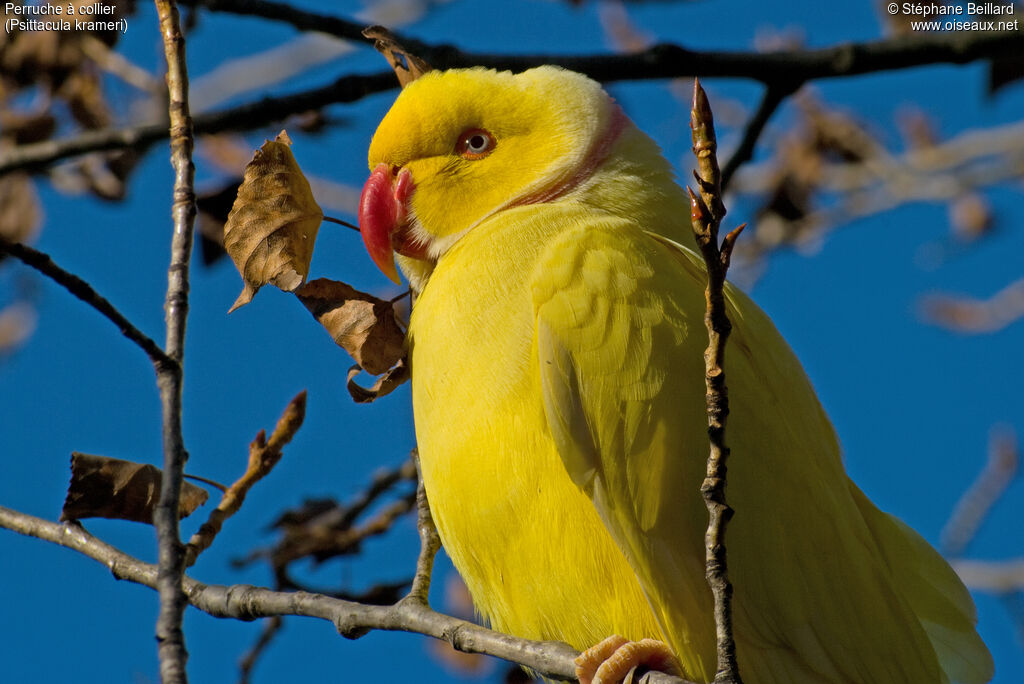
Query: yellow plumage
{"points": [[558, 393]]}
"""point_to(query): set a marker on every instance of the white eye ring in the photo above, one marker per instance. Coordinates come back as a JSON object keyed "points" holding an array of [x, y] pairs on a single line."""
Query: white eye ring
{"points": [[475, 143]]}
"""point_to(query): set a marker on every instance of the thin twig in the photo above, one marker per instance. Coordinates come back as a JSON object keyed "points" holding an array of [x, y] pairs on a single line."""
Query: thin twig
{"points": [[975, 503], [43, 263], [261, 112], [430, 542], [672, 61], [206, 481], [171, 554], [994, 576], [773, 97], [263, 456], [245, 602], [324, 529], [707, 211], [381, 483], [340, 222], [271, 628], [662, 61]]}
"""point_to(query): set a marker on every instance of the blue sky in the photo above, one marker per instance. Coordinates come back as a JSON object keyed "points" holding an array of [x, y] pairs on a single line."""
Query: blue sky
{"points": [[912, 404]]}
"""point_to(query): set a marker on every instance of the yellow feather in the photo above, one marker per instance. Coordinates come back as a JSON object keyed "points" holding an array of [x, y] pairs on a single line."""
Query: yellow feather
{"points": [[558, 396]]}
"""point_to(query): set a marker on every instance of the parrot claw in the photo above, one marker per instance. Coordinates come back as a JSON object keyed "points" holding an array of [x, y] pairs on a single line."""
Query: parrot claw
{"points": [[614, 659]]}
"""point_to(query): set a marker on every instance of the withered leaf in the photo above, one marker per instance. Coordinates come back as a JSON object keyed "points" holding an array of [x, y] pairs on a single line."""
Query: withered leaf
{"points": [[408, 67], [103, 487], [23, 128], [20, 213], [273, 224], [17, 323], [359, 323], [384, 385]]}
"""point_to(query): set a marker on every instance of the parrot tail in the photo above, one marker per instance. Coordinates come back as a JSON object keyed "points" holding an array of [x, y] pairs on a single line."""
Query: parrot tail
{"points": [[935, 594]]}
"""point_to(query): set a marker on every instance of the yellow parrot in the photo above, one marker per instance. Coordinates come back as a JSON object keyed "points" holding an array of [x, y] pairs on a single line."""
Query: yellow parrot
{"points": [[558, 392]]}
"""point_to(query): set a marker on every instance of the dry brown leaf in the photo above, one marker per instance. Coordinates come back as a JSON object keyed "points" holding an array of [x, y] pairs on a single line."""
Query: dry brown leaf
{"points": [[273, 224], [17, 323], [360, 323], [971, 216], [103, 487], [385, 384], [408, 67], [23, 128], [20, 213]]}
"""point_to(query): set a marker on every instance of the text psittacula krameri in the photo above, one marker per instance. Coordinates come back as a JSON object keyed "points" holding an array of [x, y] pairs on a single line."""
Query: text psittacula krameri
{"points": [[558, 393]]}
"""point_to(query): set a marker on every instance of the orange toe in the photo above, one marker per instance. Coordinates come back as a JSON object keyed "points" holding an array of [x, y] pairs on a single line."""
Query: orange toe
{"points": [[588, 662], [610, 661]]}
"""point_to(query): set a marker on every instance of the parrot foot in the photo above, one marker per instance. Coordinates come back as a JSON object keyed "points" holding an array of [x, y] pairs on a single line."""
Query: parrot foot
{"points": [[610, 661]]}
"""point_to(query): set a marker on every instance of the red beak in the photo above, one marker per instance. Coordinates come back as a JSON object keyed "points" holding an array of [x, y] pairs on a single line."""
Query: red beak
{"points": [[382, 214]]}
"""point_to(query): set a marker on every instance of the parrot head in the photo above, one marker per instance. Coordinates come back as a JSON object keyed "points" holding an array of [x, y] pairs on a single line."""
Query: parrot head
{"points": [[459, 146]]}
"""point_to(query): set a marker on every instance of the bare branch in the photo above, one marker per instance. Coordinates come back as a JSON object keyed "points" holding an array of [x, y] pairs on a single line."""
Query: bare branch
{"points": [[773, 97], [975, 503], [847, 190], [998, 577], [707, 211], [673, 61], [171, 553], [430, 542], [256, 114], [81, 289], [969, 315], [785, 68], [549, 659], [271, 628], [263, 456]]}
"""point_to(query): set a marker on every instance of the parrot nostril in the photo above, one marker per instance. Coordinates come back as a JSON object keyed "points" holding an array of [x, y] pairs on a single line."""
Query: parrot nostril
{"points": [[395, 170]]}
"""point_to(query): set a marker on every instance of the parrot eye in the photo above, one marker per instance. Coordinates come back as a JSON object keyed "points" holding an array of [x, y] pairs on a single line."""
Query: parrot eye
{"points": [[475, 143]]}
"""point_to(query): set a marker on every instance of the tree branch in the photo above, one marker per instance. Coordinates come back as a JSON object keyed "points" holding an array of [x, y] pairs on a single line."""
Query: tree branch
{"points": [[707, 211], [263, 456], [430, 542], [784, 69], [171, 553], [245, 602], [673, 61], [773, 97], [262, 112], [43, 263]]}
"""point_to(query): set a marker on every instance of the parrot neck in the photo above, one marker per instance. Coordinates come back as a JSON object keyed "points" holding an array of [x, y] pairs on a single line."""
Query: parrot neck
{"points": [[636, 182]]}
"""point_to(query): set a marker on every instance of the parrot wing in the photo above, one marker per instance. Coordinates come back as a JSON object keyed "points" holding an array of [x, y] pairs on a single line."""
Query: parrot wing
{"points": [[821, 587]]}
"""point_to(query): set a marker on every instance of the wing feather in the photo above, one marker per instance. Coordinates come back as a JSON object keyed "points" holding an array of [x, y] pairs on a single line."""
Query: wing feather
{"points": [[620, 344]]}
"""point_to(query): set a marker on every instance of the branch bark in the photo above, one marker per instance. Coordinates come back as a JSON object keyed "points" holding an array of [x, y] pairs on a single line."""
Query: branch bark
{"points": [[263, 456], [43, 263], [773, 97], [707, 211], [788, 68], [666, 60], [171, 552], [244, 602]]}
